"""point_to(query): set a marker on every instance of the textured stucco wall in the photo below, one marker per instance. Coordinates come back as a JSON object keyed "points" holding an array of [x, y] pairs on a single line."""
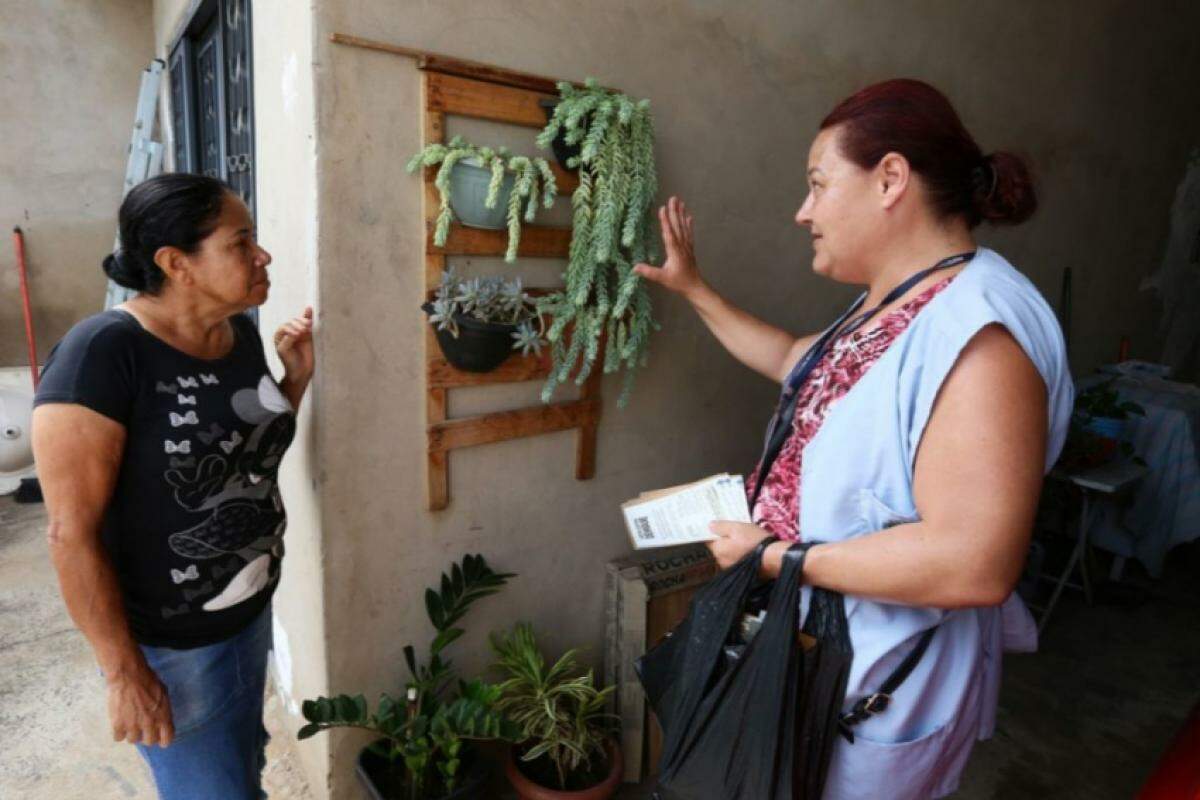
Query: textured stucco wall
{"points": [[69, 76], [287, 226], [1097, 93], [285, 158]]}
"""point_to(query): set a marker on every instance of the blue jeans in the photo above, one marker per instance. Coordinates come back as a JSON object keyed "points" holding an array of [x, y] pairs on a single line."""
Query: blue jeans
{"points": [[216, 695]]}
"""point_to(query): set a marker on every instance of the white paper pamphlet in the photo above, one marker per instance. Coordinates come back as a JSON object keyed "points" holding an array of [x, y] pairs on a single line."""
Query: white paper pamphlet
{"points": [[681, 514]]}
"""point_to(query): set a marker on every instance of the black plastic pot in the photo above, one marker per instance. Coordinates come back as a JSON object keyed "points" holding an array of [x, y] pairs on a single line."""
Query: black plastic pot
{"points": [[479, 346], [563, 152], [382, 780]]}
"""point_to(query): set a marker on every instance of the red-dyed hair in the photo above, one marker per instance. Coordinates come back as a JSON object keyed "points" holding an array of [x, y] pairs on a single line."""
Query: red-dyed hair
{"points": [[914, 119]]}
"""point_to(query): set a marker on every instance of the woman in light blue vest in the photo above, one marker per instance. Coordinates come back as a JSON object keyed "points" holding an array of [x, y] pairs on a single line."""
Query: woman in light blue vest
{"points": [[913, 434]]}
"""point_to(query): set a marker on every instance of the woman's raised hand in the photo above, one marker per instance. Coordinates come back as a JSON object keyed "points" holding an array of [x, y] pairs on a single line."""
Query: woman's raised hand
{"points": [[678, 272], [294, 344]]}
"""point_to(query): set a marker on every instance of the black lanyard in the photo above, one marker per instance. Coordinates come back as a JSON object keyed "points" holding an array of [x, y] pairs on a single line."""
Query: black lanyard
{"points": [[781, 422]]}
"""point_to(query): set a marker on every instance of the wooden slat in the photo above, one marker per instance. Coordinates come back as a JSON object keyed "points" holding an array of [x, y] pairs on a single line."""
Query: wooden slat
{"points": [[436, 62], [532, 291], [437, 468], [505, 425], [489, 74], [450, 94], [516, 369], [437, 463], [585, 439], [536, 242], [435, 131], [567, 181]]}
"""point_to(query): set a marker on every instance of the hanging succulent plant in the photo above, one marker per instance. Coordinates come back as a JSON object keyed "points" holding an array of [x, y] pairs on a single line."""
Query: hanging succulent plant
{"points": [[523, 181], [480, 321], [612, 231]]}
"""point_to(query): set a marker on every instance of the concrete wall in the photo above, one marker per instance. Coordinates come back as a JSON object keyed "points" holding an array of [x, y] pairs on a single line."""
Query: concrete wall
{"points": [[1097, 93], [64, 151], [287, 224]]}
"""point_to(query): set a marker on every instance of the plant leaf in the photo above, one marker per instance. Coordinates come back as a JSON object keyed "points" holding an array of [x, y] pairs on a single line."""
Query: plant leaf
{"points": [[410, 658], [433, 605], [309, 730]]}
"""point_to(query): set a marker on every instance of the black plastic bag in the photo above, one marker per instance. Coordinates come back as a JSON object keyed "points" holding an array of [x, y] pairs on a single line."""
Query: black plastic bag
{"points": [[756, 720]]}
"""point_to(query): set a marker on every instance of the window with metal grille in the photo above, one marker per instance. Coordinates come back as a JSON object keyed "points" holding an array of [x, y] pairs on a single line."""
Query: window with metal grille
{"points": [[212, 96]]}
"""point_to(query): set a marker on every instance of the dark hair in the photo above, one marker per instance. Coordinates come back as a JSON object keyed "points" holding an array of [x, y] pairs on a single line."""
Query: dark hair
{"points": [[914, 119], [173, 210]]}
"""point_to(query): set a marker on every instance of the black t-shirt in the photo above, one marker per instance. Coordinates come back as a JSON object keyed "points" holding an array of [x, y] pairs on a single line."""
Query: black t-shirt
{"points": [[195, 525]]}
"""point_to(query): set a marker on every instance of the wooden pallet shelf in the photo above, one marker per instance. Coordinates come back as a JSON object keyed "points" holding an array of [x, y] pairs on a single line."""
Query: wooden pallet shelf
{"points": [[504, 425], [453, 87], [536, 242], [518, 369]]}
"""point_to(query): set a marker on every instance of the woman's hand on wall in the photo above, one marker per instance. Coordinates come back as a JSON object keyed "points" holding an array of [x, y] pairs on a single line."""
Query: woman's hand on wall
{"points": [[294, 344], [678, 272], [736, 539]]}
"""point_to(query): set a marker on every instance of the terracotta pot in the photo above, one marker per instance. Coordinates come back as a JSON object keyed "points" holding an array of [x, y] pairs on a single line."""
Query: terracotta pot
{"points": [[528, 790]]}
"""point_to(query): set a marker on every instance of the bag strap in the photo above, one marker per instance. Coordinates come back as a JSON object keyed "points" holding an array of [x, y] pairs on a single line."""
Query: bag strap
{"points": [[780, 429], [878, 702]]}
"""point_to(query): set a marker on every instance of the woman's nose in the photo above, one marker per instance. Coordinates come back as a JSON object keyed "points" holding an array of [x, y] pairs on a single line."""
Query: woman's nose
{"points": [[804, 215], [264, 257]]}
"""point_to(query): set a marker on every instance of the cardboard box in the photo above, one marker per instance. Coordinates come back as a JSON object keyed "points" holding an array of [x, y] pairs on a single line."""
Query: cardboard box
{"points": [[646, 595]]}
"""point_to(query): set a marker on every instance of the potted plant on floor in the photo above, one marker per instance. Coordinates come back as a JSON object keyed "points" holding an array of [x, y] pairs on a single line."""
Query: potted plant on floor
{"points": [[567, 751], [604, 300], [424, 746], [486, 187], [479, 322], [1098, 431]]}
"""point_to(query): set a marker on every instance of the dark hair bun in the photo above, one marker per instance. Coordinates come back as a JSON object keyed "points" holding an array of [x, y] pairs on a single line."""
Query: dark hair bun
{"points": [[122, 273], [176, 209], [1006, 195]]}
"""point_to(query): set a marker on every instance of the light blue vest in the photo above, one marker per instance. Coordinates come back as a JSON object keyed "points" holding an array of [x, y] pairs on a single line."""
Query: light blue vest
{"points": [[857, 477]]}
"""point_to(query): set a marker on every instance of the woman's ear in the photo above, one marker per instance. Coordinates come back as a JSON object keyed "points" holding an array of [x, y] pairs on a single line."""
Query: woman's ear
{"points": [[174, 264], [893, 174]]}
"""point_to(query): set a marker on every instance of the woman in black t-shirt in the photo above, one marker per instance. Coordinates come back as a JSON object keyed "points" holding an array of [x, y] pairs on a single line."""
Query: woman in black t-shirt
{"points": [[158, 433]]}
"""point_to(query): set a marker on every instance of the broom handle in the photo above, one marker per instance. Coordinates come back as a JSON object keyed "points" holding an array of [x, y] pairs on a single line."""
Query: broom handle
{"points": [[19, 246]]}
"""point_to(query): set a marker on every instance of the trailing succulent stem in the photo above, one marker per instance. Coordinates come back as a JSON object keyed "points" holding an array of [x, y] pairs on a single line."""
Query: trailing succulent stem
{"points": [[612, 230], [533, 184]]}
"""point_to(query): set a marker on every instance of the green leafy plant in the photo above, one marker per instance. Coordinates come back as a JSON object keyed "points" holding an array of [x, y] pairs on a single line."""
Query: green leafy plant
{"points": [[1084, 446], [612, 230], [428, 730], [559, 710], [488, 300], [1103, 400], [534, 182]]}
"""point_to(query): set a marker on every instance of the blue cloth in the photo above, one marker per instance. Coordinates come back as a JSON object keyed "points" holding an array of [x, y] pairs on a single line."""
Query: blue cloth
{"points": [[216, 695], [1166, 503], [857, 478]]}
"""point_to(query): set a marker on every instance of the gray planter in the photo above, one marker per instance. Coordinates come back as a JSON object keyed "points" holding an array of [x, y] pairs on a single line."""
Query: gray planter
{"points": [[468, 190]]}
